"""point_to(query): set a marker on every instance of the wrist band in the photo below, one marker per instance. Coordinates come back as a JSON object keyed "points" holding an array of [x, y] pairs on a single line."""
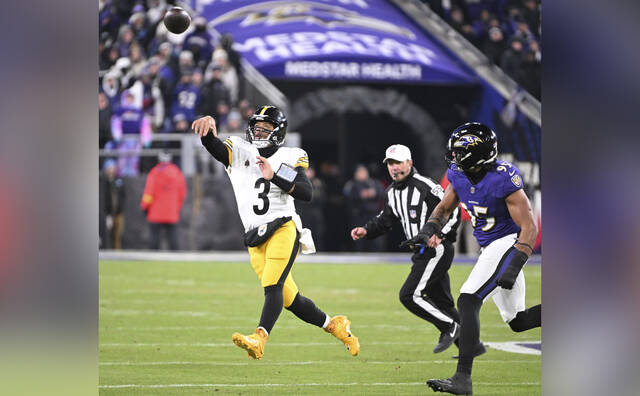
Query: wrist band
{"points": [[284, 177], [525, 244]]}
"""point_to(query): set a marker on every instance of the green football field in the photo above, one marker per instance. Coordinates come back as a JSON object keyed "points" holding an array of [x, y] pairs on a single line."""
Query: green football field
{"points": [[165, 329]]}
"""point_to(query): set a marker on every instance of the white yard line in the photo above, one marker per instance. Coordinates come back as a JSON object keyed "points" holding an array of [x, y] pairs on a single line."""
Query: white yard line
{"points": [[393, 362], [304, 384]]}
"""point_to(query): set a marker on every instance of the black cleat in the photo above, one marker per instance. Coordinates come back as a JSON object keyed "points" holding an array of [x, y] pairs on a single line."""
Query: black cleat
{"points": [[480, 349], [459, 384], [447, 338]]}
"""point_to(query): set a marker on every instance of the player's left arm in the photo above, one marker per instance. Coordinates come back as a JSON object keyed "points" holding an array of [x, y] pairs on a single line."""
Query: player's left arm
{"points": [[520, 210]]}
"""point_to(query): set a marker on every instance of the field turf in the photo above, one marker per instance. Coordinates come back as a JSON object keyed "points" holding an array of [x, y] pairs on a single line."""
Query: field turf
{"points": [[165, 329]]}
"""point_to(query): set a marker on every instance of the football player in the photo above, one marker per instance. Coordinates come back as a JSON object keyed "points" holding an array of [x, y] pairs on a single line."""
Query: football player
{"points": [[266, 178], [491, 192]]}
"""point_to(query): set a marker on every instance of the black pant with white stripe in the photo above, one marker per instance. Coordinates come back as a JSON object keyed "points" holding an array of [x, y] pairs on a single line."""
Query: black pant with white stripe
{"points": [[427, 290]]}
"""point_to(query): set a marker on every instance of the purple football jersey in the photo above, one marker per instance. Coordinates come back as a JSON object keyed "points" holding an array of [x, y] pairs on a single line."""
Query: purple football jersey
{"points": [[485, 201]]}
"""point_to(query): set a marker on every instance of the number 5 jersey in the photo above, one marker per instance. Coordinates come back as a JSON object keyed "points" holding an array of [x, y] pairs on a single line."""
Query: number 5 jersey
{"points": [[485, 201]]}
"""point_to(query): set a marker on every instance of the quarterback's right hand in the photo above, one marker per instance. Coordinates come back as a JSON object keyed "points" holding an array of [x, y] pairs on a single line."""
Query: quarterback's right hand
{"points": [[358, 233], [203, 125]]}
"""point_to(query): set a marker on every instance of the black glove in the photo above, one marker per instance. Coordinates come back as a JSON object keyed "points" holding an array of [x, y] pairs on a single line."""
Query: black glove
{"points": [[508, 278], [422, 237]]}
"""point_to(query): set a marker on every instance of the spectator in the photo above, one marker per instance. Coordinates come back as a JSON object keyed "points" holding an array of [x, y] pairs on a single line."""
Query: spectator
{"points": [[213, 91], [131, 130], [531, 73], [229, 75], [187, 96], [165, 79], [138, 59], [531, 14], [226, 43], [113, 194], [336, 219], [494, 45], [234, 124], [156, 10], [363, 195], [185, 62], [222, 110], [109, 19], [125, 38], [123, 70], [458, 23], [481, 26], [152, 101], [104, 48], [245, 108], [111, 88], [142, 31], [199, 42], [104, 120], [164, 193], [312, 213], [511, 61]]}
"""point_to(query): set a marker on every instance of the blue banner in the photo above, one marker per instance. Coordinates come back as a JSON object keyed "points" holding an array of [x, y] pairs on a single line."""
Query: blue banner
{"points": [[350, 40]]}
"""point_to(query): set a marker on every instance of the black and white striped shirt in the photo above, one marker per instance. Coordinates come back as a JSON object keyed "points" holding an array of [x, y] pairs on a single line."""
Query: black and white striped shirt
{"points": [[410, 203]]}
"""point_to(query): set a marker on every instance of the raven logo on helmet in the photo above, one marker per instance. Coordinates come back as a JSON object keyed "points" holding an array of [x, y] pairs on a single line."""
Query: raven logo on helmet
{"points": [[468, 140]]}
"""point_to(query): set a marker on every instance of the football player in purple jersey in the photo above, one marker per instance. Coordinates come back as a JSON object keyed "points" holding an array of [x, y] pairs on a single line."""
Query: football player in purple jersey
{"points": [[491, 192]]}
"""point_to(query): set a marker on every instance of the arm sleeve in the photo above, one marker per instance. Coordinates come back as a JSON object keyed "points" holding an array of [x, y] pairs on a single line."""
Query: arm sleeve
{"points": [[302, 190], [217, 148], [382, 223]]}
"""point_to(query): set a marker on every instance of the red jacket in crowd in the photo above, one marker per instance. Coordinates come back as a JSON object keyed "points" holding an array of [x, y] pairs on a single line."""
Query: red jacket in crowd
{"points": [[164, 193]]}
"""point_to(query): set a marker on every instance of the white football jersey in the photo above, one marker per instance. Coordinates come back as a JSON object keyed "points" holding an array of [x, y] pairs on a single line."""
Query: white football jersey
{"points": [[260, 201]]}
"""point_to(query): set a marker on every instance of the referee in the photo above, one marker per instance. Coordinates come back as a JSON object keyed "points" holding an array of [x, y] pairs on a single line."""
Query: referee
{"points": [[409, 200]]}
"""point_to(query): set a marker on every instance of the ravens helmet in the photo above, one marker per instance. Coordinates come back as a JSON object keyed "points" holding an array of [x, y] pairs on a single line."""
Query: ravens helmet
{"points": [[472, 145], [272, 115]]}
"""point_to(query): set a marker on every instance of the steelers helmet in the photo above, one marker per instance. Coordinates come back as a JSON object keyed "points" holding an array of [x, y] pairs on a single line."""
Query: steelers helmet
{"points": [[472, 145], [274, 116]]}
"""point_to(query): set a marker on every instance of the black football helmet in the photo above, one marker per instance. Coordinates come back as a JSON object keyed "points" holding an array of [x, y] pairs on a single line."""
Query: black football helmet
{"points": [[272, 115], [472, 145]]}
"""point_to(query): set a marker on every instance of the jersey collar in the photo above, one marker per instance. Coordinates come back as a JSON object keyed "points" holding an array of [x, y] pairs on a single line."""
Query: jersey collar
{"points": [[268, 151]]}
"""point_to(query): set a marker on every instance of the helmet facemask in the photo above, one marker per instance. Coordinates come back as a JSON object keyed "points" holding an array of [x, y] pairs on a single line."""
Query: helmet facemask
{"points": [[263, 142]]}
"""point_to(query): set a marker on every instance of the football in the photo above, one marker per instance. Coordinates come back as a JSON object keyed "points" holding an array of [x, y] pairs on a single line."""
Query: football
{"points": [[177, 20]]}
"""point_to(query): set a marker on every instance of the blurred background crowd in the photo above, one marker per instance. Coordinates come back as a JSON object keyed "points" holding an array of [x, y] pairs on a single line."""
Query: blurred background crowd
{"points": [[508, 32], [154, 83]]}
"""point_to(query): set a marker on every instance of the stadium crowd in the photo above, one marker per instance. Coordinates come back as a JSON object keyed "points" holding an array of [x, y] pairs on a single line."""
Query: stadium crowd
{"points": [[152, 81], [508, 32]]}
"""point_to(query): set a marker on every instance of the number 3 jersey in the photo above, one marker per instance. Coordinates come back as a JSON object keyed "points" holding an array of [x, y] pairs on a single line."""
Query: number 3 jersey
{"points": [[485, 201], [260, 201]]}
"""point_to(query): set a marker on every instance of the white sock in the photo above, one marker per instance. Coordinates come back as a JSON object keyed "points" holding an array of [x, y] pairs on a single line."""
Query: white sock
{"points": [[265, 330], [326, 321]]}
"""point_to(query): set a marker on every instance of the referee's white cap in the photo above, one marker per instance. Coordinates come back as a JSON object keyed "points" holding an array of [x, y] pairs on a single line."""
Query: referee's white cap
{"points": [[397, 152]]}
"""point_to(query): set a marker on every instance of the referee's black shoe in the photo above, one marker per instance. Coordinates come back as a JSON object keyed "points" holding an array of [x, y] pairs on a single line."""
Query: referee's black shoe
{"points": [[479, 350], [447, 338], [459, 384]]}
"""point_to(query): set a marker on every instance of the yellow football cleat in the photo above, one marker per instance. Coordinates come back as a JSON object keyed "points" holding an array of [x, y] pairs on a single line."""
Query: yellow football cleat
{"points": [[339, 327], [253, 344]]}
